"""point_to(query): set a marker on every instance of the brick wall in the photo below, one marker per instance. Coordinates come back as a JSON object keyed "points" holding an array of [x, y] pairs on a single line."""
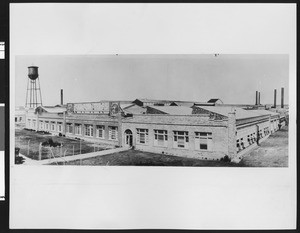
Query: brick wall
{"points": [[190, 123], [231, 135]]}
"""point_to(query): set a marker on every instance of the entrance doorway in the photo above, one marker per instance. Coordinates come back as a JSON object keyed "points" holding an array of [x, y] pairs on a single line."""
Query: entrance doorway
{"points": [[128, 138]]}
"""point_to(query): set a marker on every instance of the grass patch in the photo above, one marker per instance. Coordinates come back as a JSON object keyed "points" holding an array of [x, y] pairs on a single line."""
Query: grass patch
{"points": [[139, 158]]}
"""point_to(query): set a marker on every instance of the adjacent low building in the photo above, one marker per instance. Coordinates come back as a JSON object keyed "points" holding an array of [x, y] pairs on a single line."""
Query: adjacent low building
{"points": [[208, 130]]}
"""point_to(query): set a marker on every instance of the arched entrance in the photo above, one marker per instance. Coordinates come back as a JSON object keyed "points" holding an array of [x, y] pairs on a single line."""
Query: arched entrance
{"points": [[128, 138]]}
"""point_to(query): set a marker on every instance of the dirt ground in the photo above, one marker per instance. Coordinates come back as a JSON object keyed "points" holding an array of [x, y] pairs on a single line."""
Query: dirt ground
{"points": [[23, 136], [271, 153]]}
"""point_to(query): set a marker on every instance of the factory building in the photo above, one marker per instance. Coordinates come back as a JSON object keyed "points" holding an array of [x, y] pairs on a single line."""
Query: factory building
{"points": [[205, 130], [208, 130]]}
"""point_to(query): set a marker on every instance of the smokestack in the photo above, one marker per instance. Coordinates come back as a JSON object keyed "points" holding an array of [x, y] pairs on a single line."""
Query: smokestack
{"points": [[256, 98], [282, 97], [61, 97], [275, 93]]}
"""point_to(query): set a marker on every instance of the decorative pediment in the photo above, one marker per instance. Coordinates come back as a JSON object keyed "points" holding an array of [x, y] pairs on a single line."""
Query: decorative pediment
{"points": [[70, 108], [39, 110]]}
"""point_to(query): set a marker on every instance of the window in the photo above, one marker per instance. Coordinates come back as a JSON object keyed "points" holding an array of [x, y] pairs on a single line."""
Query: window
{"points": [[78, 129], [203, 141], [100, 131], [28, 123], [113, 133], [16, 119], [260, 134], [238, 148], [88, 130], [181, 139], [242, 143], [160, 138], [252, 138], [59, 126], [53, 126], [46, 125], [41, 125], [142, 136], [33, 123], [69, 128], [266, 131]]}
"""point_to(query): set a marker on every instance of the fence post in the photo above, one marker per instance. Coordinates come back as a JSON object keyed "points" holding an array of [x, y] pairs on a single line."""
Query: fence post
{"points": [[49, 156], [40, 151], [80, 146], [65, 156], [28, 147], [73, 149], [94, 148]]}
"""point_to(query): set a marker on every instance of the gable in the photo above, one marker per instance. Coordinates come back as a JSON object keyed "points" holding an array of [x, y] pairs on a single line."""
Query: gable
{"points": [[212, 115]]}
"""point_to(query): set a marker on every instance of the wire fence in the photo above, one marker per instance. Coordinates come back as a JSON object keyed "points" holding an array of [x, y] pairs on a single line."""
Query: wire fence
{"points": [[36, 151]]}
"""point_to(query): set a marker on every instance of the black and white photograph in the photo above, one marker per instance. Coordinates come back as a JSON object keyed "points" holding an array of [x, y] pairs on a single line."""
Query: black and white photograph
{"points": [[152, 110], [152, 116]]}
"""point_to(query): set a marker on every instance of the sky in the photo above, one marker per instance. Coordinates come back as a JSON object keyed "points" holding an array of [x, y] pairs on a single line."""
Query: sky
{"points": [[232, 78]]}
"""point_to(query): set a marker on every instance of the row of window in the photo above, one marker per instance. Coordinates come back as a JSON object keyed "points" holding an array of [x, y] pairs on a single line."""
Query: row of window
{"points": [[203, 140], [251, 138], [88, 129], [18, 119], [52, 126], [241, 144]]}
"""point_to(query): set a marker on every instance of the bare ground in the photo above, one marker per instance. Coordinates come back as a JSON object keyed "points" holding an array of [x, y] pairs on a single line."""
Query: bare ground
{"points": [[23, 136], [271, 153]]}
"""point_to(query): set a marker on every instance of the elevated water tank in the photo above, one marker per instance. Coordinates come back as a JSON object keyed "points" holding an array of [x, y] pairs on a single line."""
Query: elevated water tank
{"points": [[33, 73]]}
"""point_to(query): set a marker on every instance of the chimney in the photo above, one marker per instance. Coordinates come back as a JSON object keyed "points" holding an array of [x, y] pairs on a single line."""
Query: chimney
{"points": [[61, 97], [256, 98], [275, 93], [282, 97]]}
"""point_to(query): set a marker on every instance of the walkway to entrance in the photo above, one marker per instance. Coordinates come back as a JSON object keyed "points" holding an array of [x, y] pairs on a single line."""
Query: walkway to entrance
{"points": [[72, 158]]}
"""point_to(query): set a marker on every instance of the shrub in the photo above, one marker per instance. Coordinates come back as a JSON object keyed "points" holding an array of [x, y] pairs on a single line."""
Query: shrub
{"points": [[51, 143], [226, 159], [19, 160]]}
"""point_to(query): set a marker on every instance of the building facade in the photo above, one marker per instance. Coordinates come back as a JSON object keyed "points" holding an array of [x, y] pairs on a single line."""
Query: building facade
{"points": [[208, 131]]}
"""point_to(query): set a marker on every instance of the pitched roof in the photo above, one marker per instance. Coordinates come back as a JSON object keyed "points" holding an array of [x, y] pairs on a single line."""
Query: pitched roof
{"points": [[52, 109], [264, 112], [204, 104], [214, 101], [190, 103], [174, 110], [126, 105], [134, 109], [225, 110]]}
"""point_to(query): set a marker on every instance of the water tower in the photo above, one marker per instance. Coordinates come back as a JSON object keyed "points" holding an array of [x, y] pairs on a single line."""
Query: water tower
{"points": [[33, 94]]}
